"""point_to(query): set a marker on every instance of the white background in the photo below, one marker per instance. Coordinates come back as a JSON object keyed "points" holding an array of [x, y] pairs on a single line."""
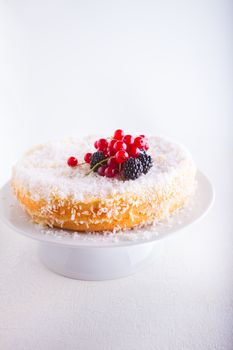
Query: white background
{"points": [[69, 68]]}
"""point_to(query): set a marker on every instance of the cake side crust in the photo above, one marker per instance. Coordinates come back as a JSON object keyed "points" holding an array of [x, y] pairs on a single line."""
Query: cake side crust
{"points": [[112, 213]]}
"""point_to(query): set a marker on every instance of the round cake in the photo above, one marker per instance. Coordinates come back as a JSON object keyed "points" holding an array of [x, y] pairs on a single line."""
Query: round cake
{"points": [[70, 195]]}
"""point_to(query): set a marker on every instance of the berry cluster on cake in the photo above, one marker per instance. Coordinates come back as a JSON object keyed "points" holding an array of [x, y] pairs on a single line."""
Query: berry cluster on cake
{"points": [[122, 156], [122, 182]]}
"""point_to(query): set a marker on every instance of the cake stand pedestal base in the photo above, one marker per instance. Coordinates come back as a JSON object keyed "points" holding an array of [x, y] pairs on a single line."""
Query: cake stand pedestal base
{"points": [[95, 264]]}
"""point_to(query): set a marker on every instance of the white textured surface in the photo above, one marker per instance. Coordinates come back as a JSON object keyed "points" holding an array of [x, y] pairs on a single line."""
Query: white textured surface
{"points": [[161, 67], [182, 301]]}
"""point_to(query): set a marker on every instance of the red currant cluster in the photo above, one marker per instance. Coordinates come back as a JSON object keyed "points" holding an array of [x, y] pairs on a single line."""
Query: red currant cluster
{"points": [[112, 153]]}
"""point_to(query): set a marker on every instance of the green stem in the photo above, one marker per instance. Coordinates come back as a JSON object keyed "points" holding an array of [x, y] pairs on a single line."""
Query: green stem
{"points": [[97, 164]]}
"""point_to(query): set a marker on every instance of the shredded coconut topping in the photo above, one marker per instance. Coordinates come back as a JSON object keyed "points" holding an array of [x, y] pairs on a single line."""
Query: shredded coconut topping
{"points": [[43, 171]]}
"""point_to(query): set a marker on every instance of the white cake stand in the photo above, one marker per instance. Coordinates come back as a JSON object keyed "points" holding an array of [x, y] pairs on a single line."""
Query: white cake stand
{"points": [[102, 257]]}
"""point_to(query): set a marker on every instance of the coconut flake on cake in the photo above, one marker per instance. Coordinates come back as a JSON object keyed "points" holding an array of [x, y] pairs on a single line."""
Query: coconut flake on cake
{"points": [[43, 171]]}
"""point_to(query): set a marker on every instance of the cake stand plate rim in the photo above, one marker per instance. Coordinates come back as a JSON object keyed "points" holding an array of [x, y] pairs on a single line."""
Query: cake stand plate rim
{"points": [[28, 229]]}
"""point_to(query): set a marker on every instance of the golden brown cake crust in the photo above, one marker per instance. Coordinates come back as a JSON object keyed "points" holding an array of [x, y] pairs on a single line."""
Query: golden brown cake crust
{"points": [[114, 213]]}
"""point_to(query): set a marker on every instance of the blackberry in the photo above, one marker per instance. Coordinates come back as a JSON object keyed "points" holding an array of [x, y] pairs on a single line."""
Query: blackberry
{"points": [[146, 161], [96, 158], [132, 168]]}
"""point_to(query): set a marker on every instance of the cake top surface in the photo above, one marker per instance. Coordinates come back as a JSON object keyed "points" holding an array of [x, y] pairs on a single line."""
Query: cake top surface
{"points": [[43, 170]]}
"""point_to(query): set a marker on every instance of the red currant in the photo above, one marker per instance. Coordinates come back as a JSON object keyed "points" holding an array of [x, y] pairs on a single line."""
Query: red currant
{"points": [[112, 163], [72, 161], [102, 144], [133, 151], [121, 156], [87, 158], [111, 152], [118, 134], [128, 139], [106, 152], [96, 144], [101, 170], [111, 144], [140, 142], [110, 172], [119, 145]]}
